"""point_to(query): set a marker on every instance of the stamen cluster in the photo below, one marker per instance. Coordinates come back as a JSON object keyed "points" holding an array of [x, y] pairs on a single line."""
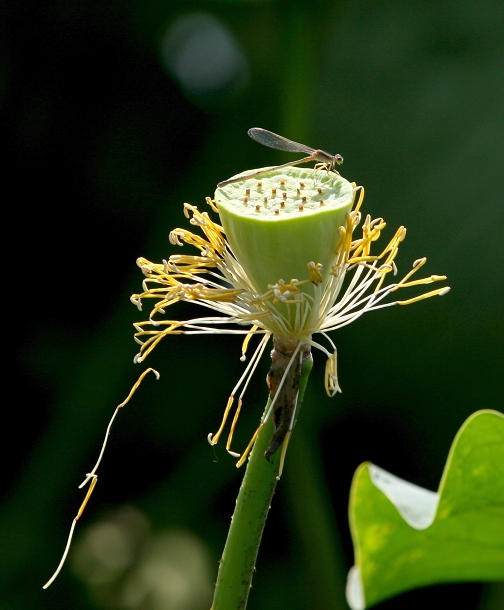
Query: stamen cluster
{"points": [[318, 303]]}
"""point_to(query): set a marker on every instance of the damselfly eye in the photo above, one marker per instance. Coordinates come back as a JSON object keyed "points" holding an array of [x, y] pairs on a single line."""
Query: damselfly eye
{"points": [[339, 159]]}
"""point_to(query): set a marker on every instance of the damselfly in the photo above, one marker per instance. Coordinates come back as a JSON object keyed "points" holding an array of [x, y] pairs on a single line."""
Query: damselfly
{"points": [[273, 140]]}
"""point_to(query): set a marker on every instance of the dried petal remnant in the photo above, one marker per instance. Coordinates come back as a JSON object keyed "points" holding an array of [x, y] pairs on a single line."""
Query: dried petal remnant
{"points": [[286, 394]]}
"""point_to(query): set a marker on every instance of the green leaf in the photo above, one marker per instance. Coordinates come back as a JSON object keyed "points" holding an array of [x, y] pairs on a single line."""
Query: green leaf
{"points": [[406, 536]]}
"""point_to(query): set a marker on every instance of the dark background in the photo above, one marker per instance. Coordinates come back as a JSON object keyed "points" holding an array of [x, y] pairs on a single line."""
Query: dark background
{"points": [[113, 115]]}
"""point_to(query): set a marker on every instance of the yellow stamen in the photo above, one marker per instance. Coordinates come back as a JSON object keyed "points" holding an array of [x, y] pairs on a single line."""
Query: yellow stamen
{"points": [[92, 475], [418, 264], [192, 261], [156, 336], [361, 259], [370, 233], [392, 249], [246, 341], [249, 447], [346, 241], [214, 439], [212, 204], [94, 480], [440, 291], [425, 280], [331, 384], [198, 291], [281, 291], [70, 535], [314, 271], [361, 196], [231, 432], [285, 444]]}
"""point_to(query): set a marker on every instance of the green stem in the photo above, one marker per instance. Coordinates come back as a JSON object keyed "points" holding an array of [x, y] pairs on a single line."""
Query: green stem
{"points": [[321, 565], [247, 524]]}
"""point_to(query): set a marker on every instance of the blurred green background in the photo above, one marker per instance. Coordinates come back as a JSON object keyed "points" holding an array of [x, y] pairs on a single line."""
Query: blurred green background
{"points": [[113, 115]]}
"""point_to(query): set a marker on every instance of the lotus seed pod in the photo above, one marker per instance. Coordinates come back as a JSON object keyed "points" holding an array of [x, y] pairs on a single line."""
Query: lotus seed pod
{"points": [[279, 222]]}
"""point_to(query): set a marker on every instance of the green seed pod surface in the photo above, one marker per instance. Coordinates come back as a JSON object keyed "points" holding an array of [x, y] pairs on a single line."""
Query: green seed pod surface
{"points": [[279, 222]]}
